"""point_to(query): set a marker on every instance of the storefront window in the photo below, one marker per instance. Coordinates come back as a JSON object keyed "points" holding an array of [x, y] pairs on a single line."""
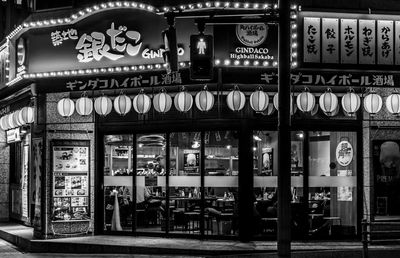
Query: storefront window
{"points": [[118, 175]]}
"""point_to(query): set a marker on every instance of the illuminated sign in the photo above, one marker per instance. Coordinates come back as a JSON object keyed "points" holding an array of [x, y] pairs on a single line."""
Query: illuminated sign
{"points": [[13, 135]]}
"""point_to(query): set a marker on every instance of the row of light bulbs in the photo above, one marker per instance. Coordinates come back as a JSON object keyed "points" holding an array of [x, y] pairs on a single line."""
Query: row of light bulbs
{"points": [[17, 118]]}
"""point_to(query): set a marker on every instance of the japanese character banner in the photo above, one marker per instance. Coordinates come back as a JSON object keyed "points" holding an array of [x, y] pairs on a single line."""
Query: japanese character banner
{"points": [[348, 43], [366, 42], [385, 42], [330, 40], [312, 34]]}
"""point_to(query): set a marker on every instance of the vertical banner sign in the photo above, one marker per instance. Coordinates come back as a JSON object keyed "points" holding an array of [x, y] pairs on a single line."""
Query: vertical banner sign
{"points": [[37, 146], [348, 42], [366, 43], [25, 167], [397, 42], [385, 42], [312, 36], [330, 40]]}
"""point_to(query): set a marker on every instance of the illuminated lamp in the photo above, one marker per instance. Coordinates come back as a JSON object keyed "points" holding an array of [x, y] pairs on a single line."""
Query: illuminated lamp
{"points": [[392, 104], [65, 107], [103, 105], [122, 104], [372, 103], [27, 115], [183, 101], [236, 99], [162, 102], [204, 100], [328, 102], [275, 100], [259, 100], [141, 103], [305, 101], [351, 102], [84, 106], [15, 117]]}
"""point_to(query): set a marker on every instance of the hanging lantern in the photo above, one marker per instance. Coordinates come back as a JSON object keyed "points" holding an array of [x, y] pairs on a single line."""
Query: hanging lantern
{"points": [[141, 103], [275, 100], [27, 115], [65, 107], [314, 111], [270, 109], [392, 104], [162, 102], [103, 105], [15, 117], [3, 124], [84, 106], [183, 101], [351, 102], [328, 102], [372, 103], [259, 100], [305, 101], [204, 100], [10, 120], [122, 104], [236, 99]]}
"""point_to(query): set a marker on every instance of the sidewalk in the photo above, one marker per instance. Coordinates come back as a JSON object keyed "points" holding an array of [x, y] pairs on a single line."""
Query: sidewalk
{"points": [[22, 237]]}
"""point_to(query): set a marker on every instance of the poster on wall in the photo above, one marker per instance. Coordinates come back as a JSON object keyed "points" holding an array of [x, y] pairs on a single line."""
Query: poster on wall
{"points": [[70, 182], [24, 181], [386, 170], [191, 161], [296, 154], [37, 151], [344, 153], [345, 193], [267, 161]]}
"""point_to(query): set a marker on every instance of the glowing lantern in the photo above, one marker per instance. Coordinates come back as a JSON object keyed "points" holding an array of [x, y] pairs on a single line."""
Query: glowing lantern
{"points": [[15, 117], [236, 99], [305, 101], [141, 103], [3, 124], [328, 102], [183, 101], [122, 104], [204, 100], [293, 108], [351, 102], [65, 107], [162, 102], [84, 106], [27, 115], [259, 100], [11, 121], [372, 103], [103, 105], [392, 104]]}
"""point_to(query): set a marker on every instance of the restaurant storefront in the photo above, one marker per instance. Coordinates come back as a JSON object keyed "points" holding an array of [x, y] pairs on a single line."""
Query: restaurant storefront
{"points": [[121, 147]]}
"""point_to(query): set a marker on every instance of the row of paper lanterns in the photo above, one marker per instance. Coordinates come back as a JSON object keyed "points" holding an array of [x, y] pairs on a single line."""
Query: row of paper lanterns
{"points": [[17, 118], [204, 101]]}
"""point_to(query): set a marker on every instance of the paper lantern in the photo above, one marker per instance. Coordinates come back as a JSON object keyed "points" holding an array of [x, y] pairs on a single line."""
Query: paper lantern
{"points": [[328, 102], [27, 115], [305, 101], [84, 106], [372, 103], [141, 103], [204, 100], [392, 104], [3, 124], [236, 99], [10, 121], [183, 101], [16, 120], [162, 102], [270, 109], [122, 104], [351, 102], [275, 100], [103, 105], [259, 100], [65, 107]]}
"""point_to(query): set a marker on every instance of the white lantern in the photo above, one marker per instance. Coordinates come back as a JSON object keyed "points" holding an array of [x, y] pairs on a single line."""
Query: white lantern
{"points": [[293, 108], [10, 121], [305, 101], [372, 103], [392, 104], [3, 124], [103, 105], [122, 104], [65, 107], [351, 102], [270, 109], [162, 102], [183, 101], [314, 111], [328, 102], [236, 99], [259, 100], [27, 115], [141, 103], [16, 120], [84, 106], [204, 100]]}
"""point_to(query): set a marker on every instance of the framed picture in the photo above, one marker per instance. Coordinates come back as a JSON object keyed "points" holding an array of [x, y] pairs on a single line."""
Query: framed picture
{"points": [[296, 153]]}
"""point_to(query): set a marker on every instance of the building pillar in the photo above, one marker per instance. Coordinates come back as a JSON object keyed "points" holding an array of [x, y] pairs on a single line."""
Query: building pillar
{"points": [[4, 177]]}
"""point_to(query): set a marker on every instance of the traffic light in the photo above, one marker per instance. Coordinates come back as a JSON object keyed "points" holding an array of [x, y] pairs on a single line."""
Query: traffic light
{"points": [[170, 54], [201, 57]]}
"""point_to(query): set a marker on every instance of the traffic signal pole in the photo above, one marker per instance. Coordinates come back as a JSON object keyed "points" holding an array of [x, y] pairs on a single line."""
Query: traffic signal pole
{"points": [[284, 145]]}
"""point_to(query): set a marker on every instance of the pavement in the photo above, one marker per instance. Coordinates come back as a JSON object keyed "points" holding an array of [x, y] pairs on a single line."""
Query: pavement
{"points": [[134, 246]]}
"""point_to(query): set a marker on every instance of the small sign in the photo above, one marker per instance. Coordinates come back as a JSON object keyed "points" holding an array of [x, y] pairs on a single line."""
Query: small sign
{"points": [[344, 153], [330, 40], [13, 135], [366, 42], [348, 44], [385, 42], [312, 41], [252, 35]]}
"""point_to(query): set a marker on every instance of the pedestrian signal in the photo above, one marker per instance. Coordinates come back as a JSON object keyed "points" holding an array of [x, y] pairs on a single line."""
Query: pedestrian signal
{"points": [[201, 57]]}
